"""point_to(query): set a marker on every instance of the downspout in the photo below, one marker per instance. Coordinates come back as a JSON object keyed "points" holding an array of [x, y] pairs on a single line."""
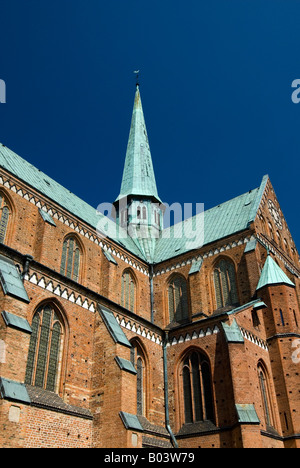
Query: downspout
{"points": [[166, 387], [151, 294]]}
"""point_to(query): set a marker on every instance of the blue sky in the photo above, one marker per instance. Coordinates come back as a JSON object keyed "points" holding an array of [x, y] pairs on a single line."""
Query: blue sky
{"points": [[215, 82]]}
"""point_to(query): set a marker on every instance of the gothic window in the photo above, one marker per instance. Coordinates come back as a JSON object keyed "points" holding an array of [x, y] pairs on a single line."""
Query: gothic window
{"points": [[279, 239], [197, 389], [295, 317], [4, 218], [263, 223], [178, 299], [128, 291], [144, 212], [265, 394], [70, 260], [255, 319], [271, 230], [138, 212], [286, 246], [225, 284], [138, 360], [45, 349]]}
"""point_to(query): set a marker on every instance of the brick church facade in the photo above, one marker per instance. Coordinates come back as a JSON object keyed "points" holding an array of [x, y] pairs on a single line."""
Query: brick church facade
{"points": [[120, 334]]}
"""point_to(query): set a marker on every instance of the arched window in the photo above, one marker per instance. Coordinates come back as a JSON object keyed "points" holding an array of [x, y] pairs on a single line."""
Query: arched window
{"points": [[70, 260], [138, 360], [271, 231], [225, 284], [279, 241], [265, 394], [45, 349], [4, 217], [197, 389], [128, 291], [263, 225], [144, 212], [286, 246], [178, 299]]}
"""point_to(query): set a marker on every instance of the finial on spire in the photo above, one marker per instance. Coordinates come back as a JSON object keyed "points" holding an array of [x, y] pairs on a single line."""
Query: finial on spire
{"points": [[137, 72]]}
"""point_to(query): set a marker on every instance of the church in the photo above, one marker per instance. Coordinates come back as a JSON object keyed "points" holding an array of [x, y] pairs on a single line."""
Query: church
{"points": [[120, 333]]}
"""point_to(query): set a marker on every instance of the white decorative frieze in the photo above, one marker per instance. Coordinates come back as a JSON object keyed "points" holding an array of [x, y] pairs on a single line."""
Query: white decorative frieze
{"points": [[134, 327], [68, 221], [61, 291], [196, 335]]}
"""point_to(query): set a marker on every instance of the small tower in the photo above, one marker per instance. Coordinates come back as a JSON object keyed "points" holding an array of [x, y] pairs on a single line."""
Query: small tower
{"points": [[281, 324], [139, 209]]}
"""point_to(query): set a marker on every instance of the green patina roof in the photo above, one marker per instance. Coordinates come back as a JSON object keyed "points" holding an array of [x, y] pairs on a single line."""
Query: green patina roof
{"points": [[14, 321], [15, 391], [247, 414], [131, 421], [11, 281], [32, 176], [196, 267], [232, 332], [272, 274], [47, 217], [138, 175], [113, 327], [219, 222], [125, 365]]}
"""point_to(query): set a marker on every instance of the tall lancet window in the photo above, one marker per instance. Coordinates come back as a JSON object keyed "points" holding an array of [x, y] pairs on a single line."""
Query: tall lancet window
{"points": [[4, 217], [128, 293], [197, 389], [45, 349], [178, 299], [138, 360], [265, 394], [225, 284], [70, 260]]}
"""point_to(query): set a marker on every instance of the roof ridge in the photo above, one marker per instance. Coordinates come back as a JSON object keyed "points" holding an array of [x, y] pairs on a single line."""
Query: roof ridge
{"points": [[260, 193]]}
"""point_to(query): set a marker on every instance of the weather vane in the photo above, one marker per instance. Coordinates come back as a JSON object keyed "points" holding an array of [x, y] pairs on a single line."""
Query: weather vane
{"points": [[137, 72]]}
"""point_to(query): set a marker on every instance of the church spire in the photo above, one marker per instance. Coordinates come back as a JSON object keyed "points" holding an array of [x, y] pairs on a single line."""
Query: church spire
{"points": [[139, 209], [138, 175]]}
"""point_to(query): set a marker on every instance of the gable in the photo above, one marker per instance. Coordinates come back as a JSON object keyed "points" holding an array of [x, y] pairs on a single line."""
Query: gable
{"points": [[271, 226]]}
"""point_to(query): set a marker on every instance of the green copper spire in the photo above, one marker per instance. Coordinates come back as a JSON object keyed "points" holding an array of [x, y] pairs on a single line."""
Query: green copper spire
{"points": [[138, 176], [272, 274]]}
